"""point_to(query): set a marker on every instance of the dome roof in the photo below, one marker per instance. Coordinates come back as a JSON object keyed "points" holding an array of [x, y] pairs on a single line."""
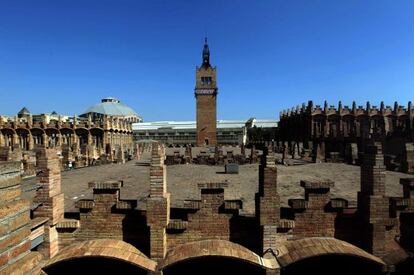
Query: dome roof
{"points": [[112, 107]]}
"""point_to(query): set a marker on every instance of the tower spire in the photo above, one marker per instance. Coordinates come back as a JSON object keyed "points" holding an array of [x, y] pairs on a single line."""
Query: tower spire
{"points": [[206, 54]]}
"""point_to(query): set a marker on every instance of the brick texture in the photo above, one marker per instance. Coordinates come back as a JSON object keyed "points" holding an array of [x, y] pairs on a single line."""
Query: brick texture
{"points": [[15, 255]]}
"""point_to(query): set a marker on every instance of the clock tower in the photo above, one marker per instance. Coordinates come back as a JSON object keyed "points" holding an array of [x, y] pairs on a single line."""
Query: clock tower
{"points": [[205, 94]]}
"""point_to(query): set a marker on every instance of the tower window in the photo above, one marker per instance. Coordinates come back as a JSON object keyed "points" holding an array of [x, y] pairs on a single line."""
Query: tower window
{"points": [[206, 80]]}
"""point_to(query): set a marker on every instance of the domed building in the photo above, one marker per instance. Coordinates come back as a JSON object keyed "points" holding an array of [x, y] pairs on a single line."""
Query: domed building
{"points": [[103, 133], [112, 107]]}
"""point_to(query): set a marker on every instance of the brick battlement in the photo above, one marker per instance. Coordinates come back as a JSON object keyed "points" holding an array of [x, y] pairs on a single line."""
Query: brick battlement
{"points": [[316, 185], [213, 185], [341, 110], [106, 185]]}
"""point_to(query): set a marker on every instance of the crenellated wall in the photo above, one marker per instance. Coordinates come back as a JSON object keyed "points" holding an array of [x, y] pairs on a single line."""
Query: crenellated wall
{"points": [[339, 133]]}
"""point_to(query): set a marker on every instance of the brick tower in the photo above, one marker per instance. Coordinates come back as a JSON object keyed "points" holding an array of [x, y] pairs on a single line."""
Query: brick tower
{"points": [[206, 93]]}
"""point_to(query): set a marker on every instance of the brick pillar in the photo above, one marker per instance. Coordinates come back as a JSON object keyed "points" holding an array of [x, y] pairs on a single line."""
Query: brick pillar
{"points": [[31, 141], [269, 203], [300, 149], [158, 203], [45, 140], [320, 152], [15, 140], [50, 197], [89, 137], [293, 149], [15, 243], [59, 139], [373, 206]]}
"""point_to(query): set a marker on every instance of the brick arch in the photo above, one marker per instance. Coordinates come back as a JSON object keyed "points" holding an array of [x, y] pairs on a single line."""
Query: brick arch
{"points": [[105, 248], [4, 130], [294, 251], [214, 248]]}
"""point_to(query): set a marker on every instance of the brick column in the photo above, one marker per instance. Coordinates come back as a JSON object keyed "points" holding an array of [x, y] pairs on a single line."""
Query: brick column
{"points": [[15, 243], [373, 206], [45, 140], [320, 152], [31, 141], [15, 139], [50, 197], [59, 139], [2, 141], [89, 137], [269, 204], [158, 203]]}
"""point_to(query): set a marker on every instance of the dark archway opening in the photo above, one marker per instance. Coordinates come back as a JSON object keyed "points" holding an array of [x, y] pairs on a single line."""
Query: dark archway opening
{"points": [[333, 264], [404, 268], [213, 265], [93, 265]]}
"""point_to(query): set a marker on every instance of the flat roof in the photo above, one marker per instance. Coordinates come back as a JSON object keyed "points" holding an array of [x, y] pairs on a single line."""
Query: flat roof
{"points": [[183, 125]]}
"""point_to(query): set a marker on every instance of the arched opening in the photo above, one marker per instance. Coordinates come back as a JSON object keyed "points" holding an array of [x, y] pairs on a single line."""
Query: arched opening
{"points": [[53, 136], [8, 136], [213, 265], [37, 135], [377, 127], [402, 128], [334, 128], [362, 126], [318, 126], [97, 137], [24, 138], [333, 264], [348, 126], [82, 135], [93, 265], [67, 136]]}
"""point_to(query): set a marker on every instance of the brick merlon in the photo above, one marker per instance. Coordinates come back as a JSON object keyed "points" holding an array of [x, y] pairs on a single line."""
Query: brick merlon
{"points": [[312, 185]]}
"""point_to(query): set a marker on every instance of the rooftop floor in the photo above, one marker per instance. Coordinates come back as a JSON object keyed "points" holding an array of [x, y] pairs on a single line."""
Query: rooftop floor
{"points": [[183, 179]]}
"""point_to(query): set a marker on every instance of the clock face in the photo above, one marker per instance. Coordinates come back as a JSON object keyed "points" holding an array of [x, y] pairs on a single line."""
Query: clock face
{"points": [[205, 91]]}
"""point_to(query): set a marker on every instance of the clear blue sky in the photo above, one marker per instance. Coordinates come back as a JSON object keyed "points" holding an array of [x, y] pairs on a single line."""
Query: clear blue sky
{"points": [[270, 55]]}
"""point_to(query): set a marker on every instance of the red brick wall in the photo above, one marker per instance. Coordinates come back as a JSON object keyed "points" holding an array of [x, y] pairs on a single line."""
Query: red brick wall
{"points": [[104, 220], [207, 222]]}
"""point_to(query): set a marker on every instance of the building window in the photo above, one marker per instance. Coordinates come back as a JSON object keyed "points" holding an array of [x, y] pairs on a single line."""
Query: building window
{"points": [[206, 80]]}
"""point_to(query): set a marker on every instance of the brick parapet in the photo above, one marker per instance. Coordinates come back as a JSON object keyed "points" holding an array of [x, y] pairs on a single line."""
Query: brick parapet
{"points": [[314, 215]]}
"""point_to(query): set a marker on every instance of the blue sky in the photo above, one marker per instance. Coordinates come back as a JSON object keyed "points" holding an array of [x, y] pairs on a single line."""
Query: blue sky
{"points": [[270, 55]]}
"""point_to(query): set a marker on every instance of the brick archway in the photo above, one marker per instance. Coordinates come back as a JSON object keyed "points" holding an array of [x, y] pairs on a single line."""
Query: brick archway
{"points": [[309, 249], [216, 249], [114, 250]]}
